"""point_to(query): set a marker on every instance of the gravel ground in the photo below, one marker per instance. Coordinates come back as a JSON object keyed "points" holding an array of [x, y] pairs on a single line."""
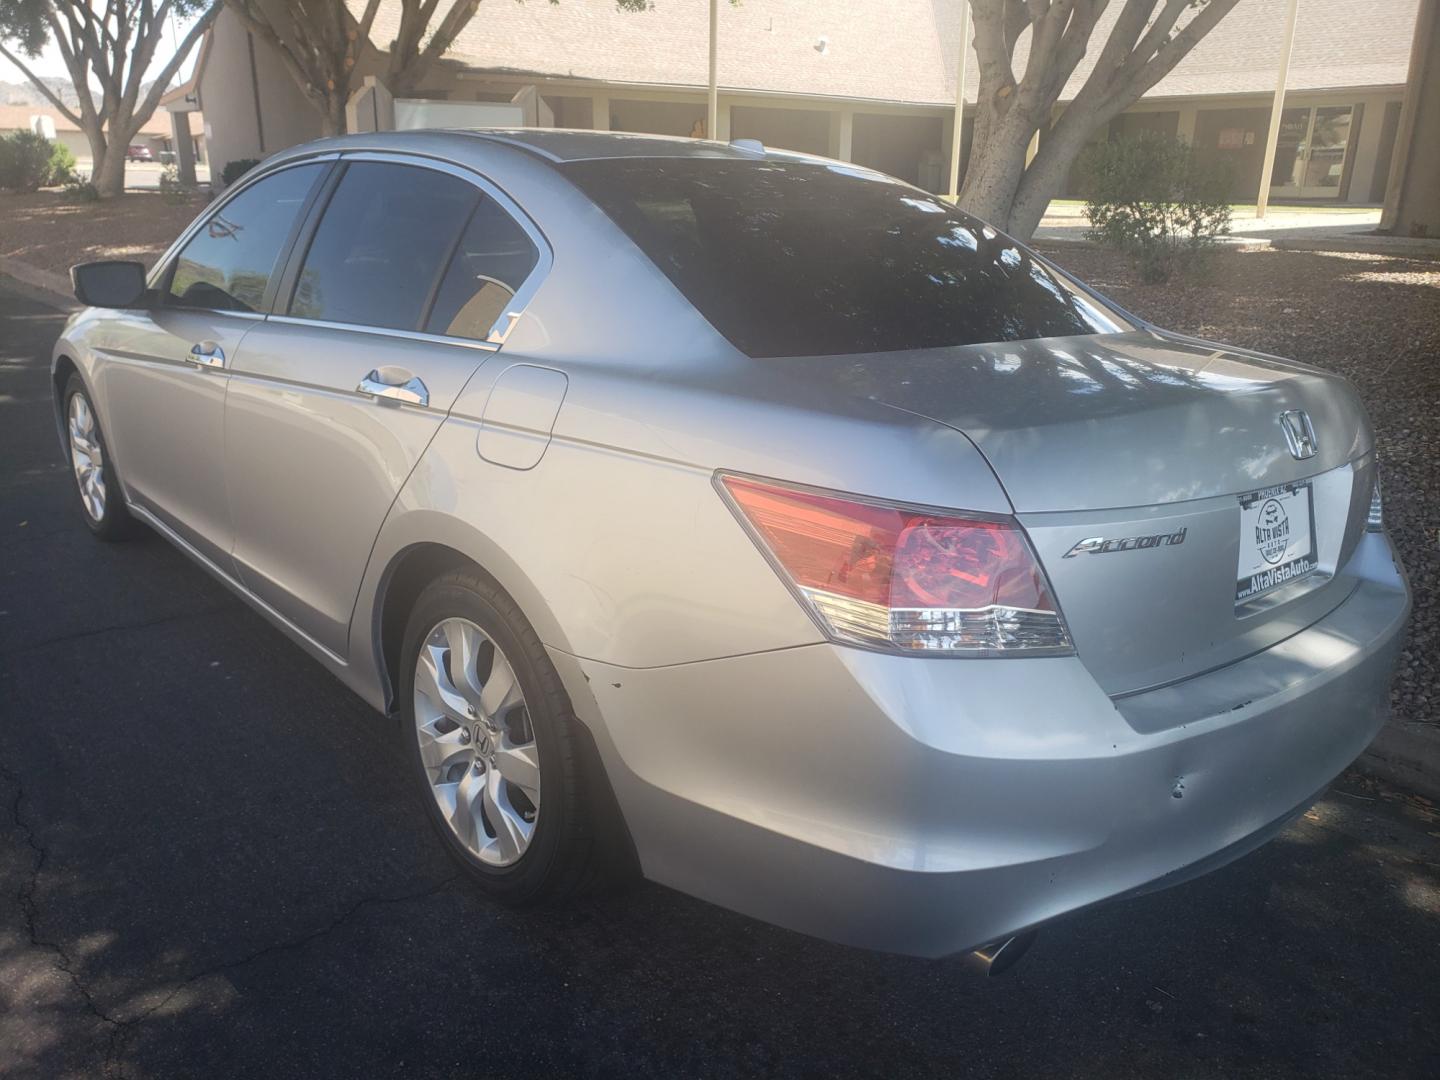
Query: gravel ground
{"points": [[45, 231], [1373, 319]]}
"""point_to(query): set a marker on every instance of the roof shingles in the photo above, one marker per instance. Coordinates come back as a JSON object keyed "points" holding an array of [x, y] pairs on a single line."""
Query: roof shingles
{"points": [[898, 50]]}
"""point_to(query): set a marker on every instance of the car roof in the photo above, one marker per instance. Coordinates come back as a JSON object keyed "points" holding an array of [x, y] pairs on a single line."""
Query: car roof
{"points": [[564, 144], [555, 147], [560, 145]]}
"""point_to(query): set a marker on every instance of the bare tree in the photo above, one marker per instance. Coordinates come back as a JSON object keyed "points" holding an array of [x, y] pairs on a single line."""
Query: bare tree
{"points": [[411, 53], [1147, 39], [321, 41], [109, 46]]}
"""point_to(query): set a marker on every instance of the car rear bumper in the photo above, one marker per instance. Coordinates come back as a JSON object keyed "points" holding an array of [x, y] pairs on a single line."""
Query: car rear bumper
{"points": [[930, 806]]}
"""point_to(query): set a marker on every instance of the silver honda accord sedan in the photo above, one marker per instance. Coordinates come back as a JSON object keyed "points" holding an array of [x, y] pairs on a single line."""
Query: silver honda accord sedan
{"points": [[753, 518]]}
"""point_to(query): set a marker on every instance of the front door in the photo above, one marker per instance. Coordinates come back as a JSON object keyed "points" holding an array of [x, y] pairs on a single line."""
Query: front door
{"points": [[1310, 151], [384, 316], [165, 371]]}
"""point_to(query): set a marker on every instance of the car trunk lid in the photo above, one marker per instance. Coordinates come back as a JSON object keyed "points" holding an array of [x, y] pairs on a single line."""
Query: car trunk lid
{"points": [[1132, 461]]}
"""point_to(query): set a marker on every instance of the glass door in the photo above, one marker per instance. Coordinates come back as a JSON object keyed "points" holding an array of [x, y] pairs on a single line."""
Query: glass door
{"points": [[1310, 151]]}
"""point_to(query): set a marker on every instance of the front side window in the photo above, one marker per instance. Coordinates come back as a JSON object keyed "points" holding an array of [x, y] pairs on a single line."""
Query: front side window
{"points": [[808, 259], [493, 260], [378, 253], [228, 264]]}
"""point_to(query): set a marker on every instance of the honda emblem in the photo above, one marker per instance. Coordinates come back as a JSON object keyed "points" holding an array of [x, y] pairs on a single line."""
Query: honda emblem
{"points": [[1299, 434]]}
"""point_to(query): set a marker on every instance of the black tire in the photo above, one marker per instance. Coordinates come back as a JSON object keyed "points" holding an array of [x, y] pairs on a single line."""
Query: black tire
{"points": [[563, 857], [114, 522]]}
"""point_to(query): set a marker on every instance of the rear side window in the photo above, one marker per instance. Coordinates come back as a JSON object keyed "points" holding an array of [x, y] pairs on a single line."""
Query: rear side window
{"points": [[384, 239], [228, 264], [493, 260], [808, 259]]}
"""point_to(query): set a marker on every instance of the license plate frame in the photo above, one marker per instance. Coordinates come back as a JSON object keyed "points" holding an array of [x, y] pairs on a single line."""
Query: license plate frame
{"points": [[1277, 539]]}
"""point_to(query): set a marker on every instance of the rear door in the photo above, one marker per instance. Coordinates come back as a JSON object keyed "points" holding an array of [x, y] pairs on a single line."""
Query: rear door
{"points": [[166, 370], [388, 306]]}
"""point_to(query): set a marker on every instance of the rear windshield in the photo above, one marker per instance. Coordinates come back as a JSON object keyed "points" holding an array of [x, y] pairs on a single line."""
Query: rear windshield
{"points": [[809, 259]]}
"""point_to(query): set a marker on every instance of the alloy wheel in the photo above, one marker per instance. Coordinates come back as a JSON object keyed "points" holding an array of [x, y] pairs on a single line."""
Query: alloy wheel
{"points": [[86, 456], [476, 742]]}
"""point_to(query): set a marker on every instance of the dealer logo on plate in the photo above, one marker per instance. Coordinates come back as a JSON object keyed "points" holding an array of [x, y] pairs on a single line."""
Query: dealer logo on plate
{"points": [[1272, 531]]}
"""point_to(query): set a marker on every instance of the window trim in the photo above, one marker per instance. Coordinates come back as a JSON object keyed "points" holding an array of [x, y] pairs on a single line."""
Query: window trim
{"points": [[164, 271], [512, 312]]}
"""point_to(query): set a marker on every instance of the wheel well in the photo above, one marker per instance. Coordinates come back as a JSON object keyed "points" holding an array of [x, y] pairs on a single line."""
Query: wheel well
{"points": [[415, 568], [64, 368], [412, 570]]}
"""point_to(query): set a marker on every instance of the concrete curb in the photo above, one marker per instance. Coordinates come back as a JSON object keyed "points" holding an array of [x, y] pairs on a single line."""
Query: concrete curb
{"points": [[1403, 247], [36, 278], [1408, 756], [1235, 243]]}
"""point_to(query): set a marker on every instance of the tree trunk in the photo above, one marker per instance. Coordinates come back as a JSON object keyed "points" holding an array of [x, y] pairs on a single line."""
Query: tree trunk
{"points": [[996, 166], [100, 157], [332, 114], [109, 174], [1043, 179]]}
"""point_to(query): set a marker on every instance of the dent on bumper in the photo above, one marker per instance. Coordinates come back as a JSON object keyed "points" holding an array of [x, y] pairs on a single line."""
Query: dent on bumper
{"points": [[930, 806]]}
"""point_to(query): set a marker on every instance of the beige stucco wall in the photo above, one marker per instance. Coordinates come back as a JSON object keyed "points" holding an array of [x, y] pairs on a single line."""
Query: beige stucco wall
{"points": [[233, 127]]}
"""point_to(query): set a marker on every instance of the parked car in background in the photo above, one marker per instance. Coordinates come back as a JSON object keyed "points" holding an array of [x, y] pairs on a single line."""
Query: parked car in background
{"points": [[137, 152], [754, 516]]}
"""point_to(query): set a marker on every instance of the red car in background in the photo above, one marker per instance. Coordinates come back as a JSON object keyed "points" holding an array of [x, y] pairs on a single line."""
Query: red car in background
{"points": [[138, 153]]}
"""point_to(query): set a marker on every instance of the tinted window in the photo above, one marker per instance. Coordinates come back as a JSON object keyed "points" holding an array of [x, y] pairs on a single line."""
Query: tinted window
{"points": [[494, 258], [230, 261], [798, 259], [386, 235]]}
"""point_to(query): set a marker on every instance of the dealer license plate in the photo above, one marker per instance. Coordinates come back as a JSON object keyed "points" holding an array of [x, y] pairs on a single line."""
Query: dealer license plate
{"points": [[1277, 539]]}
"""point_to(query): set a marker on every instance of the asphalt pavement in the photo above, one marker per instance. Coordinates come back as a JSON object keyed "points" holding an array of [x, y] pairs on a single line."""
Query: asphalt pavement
{"points": [[211, 865]]}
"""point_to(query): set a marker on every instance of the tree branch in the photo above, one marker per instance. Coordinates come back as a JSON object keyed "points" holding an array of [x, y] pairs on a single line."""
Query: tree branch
{"points": [[1016, 19], [1160, 29], [158, 88], [39, 85], [295, 60], [1175, 50], [78, 67], [367, 19], [414, 65]]}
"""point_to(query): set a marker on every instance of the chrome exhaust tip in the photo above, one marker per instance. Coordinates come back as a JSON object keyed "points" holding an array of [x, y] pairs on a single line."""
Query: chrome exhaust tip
{"points": [[995, 960]]}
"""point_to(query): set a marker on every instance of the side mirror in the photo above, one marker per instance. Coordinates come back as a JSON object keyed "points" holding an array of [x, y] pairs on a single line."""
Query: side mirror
{"points": [[110, 283]]}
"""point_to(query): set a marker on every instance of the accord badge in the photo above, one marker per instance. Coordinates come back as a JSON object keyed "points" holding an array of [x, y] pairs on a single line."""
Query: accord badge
{"points": [[1100, 545]]}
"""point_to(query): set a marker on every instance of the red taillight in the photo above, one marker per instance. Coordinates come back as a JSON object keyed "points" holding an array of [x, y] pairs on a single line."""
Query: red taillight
{"points": [[893, 577]]}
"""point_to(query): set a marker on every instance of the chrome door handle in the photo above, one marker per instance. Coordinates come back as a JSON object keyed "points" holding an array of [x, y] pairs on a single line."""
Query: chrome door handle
{"points": [[412, 391], [206, 354]]}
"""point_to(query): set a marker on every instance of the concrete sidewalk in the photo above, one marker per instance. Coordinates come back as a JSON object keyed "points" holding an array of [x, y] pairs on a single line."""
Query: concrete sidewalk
{"points": [[1338, 228]]}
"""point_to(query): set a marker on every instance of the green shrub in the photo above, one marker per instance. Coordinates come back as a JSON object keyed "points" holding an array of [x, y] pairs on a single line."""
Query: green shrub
{"points": [[62, 165], [1152, 197], [235, 169], [25, 161], [79, 190], [173, 190]]}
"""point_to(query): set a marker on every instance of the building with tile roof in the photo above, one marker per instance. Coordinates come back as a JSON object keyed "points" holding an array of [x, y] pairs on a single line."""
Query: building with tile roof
{"points": [[871, 81], [156, 134]]}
